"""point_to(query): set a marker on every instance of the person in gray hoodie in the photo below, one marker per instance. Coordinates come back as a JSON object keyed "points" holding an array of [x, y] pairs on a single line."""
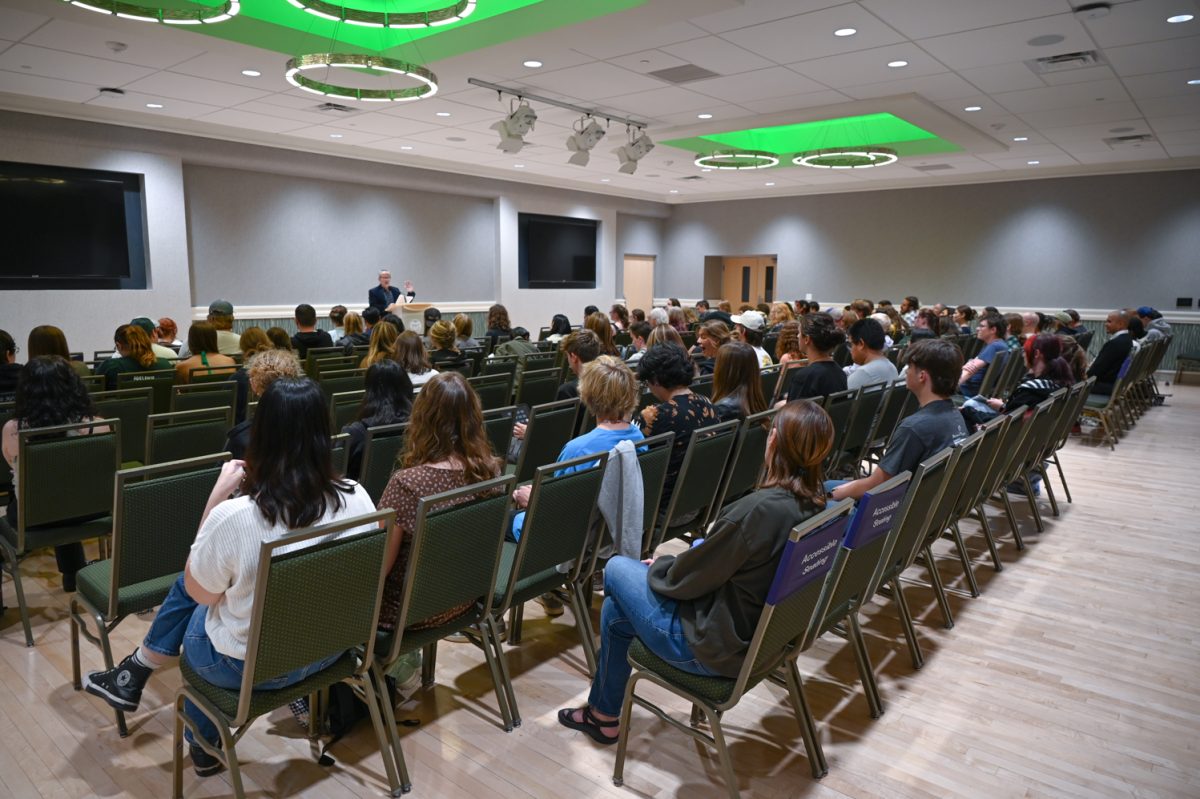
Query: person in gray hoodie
{"points": [[1156, 326]]}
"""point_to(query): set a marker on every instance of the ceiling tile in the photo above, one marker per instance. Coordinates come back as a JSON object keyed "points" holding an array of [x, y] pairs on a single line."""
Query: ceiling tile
{"points": [[1163, 84], [507, 62], [717, 55], [1186, 138], [1137, 152], [50, 88], [1082, 115], [1144, 21], [199, 90], [378, 123], [426, 111], [4, 45], [1096, 131], [1085, 75], [758, 85], [723, 115], [792, 102], [1010, 77], [811, 34], [759, 11], [1175, 123], [918, 19], [1141, 59], [1183, 150], [647, 61], [19, 24], [1069, 96], [133, 101], [1161, 106], [870, 66], [1006, 43], [635, 40], [244, 119], [593, 80], [68, 66], [335, 136], [228, 69], [308, 115], [656, 102], [934, 88], [148, 51]]}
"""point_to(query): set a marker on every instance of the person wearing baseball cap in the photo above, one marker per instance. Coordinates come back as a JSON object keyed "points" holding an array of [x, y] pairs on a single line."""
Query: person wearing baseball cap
{"points": [[147, 324], [220, 313], [750, 326], [1066, 324], [1156, 326]]}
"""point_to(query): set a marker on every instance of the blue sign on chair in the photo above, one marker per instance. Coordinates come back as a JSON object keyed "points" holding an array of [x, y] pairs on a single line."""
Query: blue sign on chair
{"points": [[807, 560], [874, 516]]}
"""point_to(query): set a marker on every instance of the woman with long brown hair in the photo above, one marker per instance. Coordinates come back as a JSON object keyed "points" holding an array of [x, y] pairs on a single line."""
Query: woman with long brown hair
{"points": [[598, 323], [787, 347], [710, 337], [410, 352], [497, 323], [133, 355], [202, 344], [737, 386], [383, 346], [50, 340], [446, 448], [698, 610]]}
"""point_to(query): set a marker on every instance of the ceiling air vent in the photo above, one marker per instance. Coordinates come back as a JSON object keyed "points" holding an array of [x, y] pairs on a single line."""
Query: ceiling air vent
{"points": [[1133, 142], [336, 108], [684, 74], [1066, 61], [932, 167]]}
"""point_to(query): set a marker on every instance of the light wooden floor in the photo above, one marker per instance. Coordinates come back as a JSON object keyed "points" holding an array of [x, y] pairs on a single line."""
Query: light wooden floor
{"points": [[1076, 674]]}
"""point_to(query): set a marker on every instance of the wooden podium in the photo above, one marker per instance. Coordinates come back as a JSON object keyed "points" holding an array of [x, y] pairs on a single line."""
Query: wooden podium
{"points": [[413, 316]]}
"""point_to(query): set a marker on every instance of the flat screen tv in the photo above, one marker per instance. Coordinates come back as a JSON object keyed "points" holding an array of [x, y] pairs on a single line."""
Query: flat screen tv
{"points": [[556, 252], [65, 228]]}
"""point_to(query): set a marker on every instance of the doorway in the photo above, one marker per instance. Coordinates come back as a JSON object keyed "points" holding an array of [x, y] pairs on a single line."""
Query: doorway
{"points": [[639, 281], [748, 279]]}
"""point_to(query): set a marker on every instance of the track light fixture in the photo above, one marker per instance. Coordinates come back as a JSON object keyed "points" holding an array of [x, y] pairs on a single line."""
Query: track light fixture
{"points": [[512, 129], [635, 150], [587, 135]]}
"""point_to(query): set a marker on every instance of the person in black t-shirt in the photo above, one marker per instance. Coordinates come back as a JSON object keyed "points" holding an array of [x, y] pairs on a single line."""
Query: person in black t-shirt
{"points": [[307, 334], [819, 336]]}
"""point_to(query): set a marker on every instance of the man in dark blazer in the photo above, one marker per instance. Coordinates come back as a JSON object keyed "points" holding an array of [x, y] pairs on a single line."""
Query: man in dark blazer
{"points": [[385, 296], [1108, 363]]}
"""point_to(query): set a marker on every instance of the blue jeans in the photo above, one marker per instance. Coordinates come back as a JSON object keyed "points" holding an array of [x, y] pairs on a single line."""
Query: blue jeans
{"points": [[179, 627], [631, 609], [832, 484]]}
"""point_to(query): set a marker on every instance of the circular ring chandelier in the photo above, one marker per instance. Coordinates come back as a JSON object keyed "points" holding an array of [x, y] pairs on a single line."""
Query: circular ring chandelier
{"points": [[298, 65], [737, 159], [197, 15], [847, 158], [381, 19]]}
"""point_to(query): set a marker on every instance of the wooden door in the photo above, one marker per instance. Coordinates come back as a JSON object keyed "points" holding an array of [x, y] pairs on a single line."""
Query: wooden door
{"points": [[639, 281]]}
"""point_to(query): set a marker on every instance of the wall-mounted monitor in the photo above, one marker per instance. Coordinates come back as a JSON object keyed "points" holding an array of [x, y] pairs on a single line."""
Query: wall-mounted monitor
{"points": [[65, 228], [556, 252]]}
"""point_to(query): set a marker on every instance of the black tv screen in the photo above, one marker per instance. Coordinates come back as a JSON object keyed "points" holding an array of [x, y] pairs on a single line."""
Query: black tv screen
{"points": [[70, 228], [556, 252]]}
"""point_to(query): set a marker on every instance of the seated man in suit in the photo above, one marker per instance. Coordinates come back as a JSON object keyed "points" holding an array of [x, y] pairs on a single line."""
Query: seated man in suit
{"points": [[386, 297], [1108, 363]]}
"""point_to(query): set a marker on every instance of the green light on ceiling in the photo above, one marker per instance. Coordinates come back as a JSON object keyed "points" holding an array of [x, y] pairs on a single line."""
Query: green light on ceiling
{"points": [[883, 130]]}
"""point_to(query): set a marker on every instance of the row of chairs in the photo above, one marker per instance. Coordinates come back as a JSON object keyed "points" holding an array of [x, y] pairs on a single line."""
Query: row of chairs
{"points": [[1132, 395]]}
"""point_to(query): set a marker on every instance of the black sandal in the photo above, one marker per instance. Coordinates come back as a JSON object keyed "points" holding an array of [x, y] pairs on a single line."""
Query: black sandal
{"points": [[591, 726]]}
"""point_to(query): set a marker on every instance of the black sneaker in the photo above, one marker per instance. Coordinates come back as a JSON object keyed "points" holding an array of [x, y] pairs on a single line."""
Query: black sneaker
{"points": [[122, 686], [204, 764]]}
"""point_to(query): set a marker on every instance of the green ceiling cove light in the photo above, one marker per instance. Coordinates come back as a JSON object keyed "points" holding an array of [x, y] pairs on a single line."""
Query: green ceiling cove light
{"points": [[382, 19], [194, 15], [737, 159], [300, 64], [818, 141]]}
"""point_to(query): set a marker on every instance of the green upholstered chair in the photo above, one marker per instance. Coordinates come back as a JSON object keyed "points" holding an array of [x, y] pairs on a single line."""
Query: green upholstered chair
{"points": [[498, 425], [746, 462], [133, 407], [860, 431], [343, 407], [381, 450], [159, 381], [494, 391], [549, 428], [698, 484], [309, 604], [155, 517], [194, 397], [186, 434], [537, 387]]}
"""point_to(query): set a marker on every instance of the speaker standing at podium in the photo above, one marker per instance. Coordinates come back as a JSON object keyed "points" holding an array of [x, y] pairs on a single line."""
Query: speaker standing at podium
{"points": [[387, 297]]}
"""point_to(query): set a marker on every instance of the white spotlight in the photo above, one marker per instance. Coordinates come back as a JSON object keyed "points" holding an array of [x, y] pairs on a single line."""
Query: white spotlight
{"points": [[519, 122], [634, 151], [587, 135]]}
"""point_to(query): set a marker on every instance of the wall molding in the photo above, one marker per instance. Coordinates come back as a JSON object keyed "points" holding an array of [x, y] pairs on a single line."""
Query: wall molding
{"points": [[200, 313]]}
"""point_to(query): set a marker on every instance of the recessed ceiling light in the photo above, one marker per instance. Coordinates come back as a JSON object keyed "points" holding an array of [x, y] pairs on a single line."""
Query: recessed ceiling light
{"points": [[703, 116], [768, 184], [518, 166], [706, 169], [154, 105], [405, 146], [1020, 138], [973, 108], [532, 64], [335, 135], [845, 32], [251, 73], [1194, 82], [674, 191], [606, 180], [897, 64], [1180, 18], [443, 113], [1033, 163]]}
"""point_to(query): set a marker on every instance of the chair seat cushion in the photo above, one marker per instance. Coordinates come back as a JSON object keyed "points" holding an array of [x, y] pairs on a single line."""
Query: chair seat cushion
{"points": [[532, 586], [52, 535], [262, 702], [716, 690], [423, 637], [1096, 400], [94, 581]]}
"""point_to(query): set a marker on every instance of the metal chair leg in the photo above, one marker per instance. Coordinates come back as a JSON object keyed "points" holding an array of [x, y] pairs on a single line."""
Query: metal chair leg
{"points": [[1041, 469], [577, 608], [1012, 519], [991, 540], [808, 727], [177, 751], [1032, 500], [939, 590], [906, 624], [965, 557], [389, 724], [718, 737], [373, 701], [1062, 478], [865, 672], [12, 565], [428, 665], [623, 733], [510, 702]]}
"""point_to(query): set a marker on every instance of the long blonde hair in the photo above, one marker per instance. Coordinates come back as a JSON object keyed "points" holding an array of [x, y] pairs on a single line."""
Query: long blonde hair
{"points": [[383, 345]]}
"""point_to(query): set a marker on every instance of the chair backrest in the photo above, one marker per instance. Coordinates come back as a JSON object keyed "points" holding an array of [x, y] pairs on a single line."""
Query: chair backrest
{"points": [[340, 381], [339, 452], [1033, 433], [186, 434], [536, 361], [700, 475], [925, 490], [654, 457], [782, 383], [203, 395], [840, 407], [343, 407], [748, 459], [770, 377], [549, 428], [703, 386], [991, 377], [494, 390], [380, 451], [969, 494], [889, 413], [943, 509], [1045, 421], [1011, 378], [841, 354], [537, 387], [92, 383], [868, 542], [806, 570], [132, 406], [465, 367], [317, 365], [160, 382], [862, 424], [558, 520], [498, 425], [769, 342], [1077, 399], [156, 511], [64, 474], [218, 375], [454, 556], [501, 364], [1084, 339], [315, 597]]}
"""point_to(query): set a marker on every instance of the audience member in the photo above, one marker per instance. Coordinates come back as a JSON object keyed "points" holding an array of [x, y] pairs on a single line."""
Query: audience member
{"points": [[352, 328], [286, 483], [220, 314], [710, 337], [464, 330], [430, 317], [445, 354], [990, 331], [1030, 322], [1048, 372], [382, 346], [1064, 324], [819, 336], [1156, 327], [1014, 322], [619, 318], [720, 315], [658, 316], [673, 302], [50, 340], [1137, 331], [361, 336], [337, 317], [167, 333], [787, 347], [518, 345], [867, 351], [560, 328], [263, 370], [159, 350], [48, 393], [410, 352], [750, 326], [497, 323], [202, 343], [279, 338], [639, 332], [637, 315], [963, 315], [780, 313], [925, 325], [737, 387], [581, 347], [598, 323], [307, 334], [932, 375], [252, 341], [699, 609], [676, 319], [388, 400], [133, 355], [909, 308], [1112, 355]]}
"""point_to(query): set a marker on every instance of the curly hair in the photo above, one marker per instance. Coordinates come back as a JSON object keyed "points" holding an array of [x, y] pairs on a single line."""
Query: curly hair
{"points": [[822, 331], [803, 437], [447, 422], [266, 367], [49, 392], [497, 318], [136, 344], [789, 341], [666, 366], [780, 312]]}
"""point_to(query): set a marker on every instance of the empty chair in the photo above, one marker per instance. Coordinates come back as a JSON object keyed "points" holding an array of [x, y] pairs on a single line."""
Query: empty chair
{"points": [[537, 387], [186, 434], [498, 426], [133, 407], [549, 428], [494, 391], [203, 395], [380, 452]]}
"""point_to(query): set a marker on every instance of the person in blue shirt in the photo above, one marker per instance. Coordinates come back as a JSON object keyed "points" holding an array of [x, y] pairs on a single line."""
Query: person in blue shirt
{"points": [[991, 331]]}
